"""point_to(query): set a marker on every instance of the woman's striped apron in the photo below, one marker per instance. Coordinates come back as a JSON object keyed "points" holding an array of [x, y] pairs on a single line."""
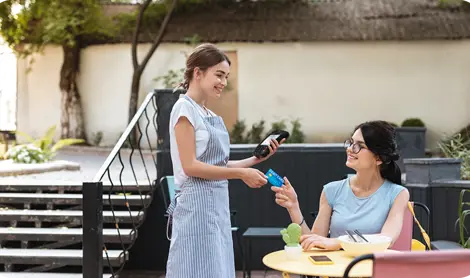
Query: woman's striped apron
{"points": [[201, 240]]}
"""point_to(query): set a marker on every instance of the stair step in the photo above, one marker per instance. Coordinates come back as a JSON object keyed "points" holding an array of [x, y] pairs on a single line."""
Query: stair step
{"points": [[44, 275], [56, 256], [60, 234], [68, 199], [19, 185], [67, 216]]}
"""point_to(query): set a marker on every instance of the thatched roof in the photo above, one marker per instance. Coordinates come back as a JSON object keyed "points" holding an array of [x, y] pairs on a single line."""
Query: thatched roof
{"points": [[321, 20]]}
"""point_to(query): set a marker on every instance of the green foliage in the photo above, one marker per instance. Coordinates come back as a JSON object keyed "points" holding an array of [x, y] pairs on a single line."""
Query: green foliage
{"points": [[255, 135], [97, 137], [237, 135], [27, 154], [171, 79], [42, 22], [465, 133], [296, 134], [413, 122], [450, 3], [46, 143], [457, 147], [279, 125], [291, 235], [463, 212]]}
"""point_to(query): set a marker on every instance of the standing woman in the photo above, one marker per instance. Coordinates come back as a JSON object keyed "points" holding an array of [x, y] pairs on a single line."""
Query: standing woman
{"points": [[201, 243]]}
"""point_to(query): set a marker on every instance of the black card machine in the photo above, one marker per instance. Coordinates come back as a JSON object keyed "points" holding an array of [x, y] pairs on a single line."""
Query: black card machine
{"points": [[262, 149]]}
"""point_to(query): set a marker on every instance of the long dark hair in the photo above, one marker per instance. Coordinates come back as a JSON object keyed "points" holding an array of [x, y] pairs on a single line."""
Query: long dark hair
{"points": [[380, 138]]}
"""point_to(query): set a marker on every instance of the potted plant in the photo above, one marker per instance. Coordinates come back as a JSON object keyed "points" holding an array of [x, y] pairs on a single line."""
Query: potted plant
{"points": [[291, 237], [411, 140]]}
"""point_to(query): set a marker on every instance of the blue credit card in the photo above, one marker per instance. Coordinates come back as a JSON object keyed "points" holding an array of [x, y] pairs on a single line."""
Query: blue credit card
{"points": [[274, 178]]}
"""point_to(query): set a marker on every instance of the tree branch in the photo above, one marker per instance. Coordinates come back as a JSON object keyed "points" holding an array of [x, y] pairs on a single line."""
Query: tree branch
{"points": [[161, 32], [135, 36]]}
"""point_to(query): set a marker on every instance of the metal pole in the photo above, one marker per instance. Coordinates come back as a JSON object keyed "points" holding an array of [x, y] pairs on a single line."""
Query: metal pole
{"points": [[92, 203]]}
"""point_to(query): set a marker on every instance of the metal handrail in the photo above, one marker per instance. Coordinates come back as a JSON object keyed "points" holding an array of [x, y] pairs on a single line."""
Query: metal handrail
{"points": [[109, 160]]}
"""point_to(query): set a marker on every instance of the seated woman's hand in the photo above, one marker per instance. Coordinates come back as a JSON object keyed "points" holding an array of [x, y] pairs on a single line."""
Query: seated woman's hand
{"points": [[312, 240], [285, 195]]}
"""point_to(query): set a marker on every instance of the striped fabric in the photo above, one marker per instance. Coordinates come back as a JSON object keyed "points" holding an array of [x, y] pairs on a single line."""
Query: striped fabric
{"points": [[201, 240]]}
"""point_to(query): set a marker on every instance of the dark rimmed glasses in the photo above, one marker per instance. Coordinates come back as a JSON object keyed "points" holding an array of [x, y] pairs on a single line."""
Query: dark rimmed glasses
{"points": [[355, 147]]}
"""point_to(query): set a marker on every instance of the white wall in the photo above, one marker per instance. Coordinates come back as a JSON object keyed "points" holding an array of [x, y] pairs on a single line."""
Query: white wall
{"points": [[330, 86], [7, 88]]}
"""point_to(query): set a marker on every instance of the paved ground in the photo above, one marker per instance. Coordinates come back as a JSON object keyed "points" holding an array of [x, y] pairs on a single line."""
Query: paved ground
{"points": [[90, 162]]}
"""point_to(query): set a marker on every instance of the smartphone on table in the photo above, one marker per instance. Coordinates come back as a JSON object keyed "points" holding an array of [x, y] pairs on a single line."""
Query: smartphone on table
{"points": [[320, 260]]}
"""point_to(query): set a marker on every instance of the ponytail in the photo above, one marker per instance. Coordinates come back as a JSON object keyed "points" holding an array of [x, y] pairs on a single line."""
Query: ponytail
{"points": [[390, 171], [184, 85]]}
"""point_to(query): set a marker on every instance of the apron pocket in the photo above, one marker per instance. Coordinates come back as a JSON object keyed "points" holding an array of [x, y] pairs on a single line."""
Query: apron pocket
{"points": [[194, 214]]}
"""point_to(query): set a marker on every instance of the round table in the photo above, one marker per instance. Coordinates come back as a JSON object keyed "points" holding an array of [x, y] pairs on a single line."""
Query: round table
{"points": [[277, 260]]}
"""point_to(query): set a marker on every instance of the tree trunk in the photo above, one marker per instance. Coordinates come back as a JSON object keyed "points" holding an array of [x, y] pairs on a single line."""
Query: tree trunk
{"points": [[139, 68], [72, 124]]}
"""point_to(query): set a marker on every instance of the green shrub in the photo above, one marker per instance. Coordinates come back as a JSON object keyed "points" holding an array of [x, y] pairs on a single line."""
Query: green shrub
{"points": [[255, 135], [28, 154], [237, 135], [296, 134], [280, 125], [46, 143], [413, 122], [457, 147], [463, 212]]}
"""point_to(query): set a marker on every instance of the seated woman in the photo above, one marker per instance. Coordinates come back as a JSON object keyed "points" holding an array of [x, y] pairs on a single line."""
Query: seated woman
{"points": [[373, 201]]}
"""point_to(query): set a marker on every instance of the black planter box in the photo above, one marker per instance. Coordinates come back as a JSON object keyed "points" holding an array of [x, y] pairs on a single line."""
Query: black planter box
{"points": [[411, 143]]}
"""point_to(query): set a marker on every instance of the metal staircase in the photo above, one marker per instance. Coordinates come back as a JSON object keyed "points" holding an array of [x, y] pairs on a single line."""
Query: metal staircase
{"points": [[57, 229], [42, 231]]}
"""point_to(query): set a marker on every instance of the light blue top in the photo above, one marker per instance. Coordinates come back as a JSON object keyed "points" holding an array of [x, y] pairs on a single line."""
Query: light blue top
{"points": [[366, 214]]}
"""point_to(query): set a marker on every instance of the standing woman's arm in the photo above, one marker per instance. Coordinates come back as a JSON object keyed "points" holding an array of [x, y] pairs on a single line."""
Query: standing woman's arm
{"points": [[251, 161], [185, 139]]}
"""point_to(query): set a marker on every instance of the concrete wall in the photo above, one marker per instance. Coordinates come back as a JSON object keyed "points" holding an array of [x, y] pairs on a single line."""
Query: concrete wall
{"points": [[330, 87]]}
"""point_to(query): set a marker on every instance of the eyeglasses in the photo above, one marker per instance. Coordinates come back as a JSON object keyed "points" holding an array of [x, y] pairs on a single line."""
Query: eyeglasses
{"points": [[355, 147]]}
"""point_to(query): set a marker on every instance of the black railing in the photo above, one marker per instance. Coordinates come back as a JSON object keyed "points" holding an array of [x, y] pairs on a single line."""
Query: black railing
{"points": [[127, 179]]}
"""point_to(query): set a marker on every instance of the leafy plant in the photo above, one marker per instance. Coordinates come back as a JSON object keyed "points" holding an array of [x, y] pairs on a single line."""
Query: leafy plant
{"points": [[171, 79], [96, 138], [291, 235], [28, 154], [256, 133], [237, 135], [413, 122], [464, 238], [296, 135], [46, 143], [278, 125], [457, 147]]}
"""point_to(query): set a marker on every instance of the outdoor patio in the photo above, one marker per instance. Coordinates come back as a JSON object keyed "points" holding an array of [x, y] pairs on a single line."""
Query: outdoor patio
{"points": [[106, 73]]}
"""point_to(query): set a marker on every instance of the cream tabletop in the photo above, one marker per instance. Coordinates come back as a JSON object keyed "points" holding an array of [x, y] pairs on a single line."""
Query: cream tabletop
{"points": [[277, 260]]}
